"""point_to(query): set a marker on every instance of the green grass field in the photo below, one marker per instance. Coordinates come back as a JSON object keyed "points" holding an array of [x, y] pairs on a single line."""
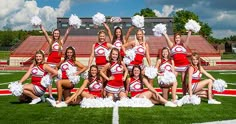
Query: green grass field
{"points": [[22, 113]]}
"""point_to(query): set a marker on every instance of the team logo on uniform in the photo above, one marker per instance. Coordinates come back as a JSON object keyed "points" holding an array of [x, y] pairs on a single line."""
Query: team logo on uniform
{"points": [[118, 43], [140, 49], [96, 86], [56, 46], [100, 51], [168, 67], [118, 68], [34, 71], [137, 86], [65, 66], [178, 49]]}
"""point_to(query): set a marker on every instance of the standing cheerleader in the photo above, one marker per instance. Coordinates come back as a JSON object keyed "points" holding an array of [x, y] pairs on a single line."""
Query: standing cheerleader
{"points": [[117, 38], [135, 86], [141, 49], [117, 73], [99, 50], [66, 83], [37, 70], [179, 54], [55, 49], [195, 85], [166, 64]]}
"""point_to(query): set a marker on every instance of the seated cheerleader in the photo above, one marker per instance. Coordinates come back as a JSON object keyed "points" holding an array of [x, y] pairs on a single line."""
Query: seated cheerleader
{"points": [[195, 84], [118, 71], [135, 86], [37, 70], [65, 84], [95, 89], [166, 64]]}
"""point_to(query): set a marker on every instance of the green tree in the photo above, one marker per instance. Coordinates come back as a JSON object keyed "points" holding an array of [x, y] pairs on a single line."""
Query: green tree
{"points": [[147, 12]]}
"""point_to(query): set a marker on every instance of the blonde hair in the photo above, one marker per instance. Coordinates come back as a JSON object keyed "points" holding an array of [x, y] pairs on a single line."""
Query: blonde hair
{"points": [[194, 54]]}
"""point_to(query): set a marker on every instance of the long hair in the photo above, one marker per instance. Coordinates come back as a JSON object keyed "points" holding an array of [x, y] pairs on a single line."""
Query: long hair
{"points": [[43, 59], [73, 55], [194, 54], [165, 48], [175, 35], [53, 40], [140, 75], [119, 59], [143, 38], [90, 75], [115, 36]]}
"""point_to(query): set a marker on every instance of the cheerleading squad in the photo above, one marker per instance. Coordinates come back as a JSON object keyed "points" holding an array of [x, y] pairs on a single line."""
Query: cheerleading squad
{"points": [[108, 78]]}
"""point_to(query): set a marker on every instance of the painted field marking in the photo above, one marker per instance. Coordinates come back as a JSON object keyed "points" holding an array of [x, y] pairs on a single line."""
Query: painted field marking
{"points": [[115, 115]]}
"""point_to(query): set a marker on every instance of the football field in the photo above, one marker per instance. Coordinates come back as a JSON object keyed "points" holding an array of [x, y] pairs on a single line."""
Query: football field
{"points": [[14, 112]]}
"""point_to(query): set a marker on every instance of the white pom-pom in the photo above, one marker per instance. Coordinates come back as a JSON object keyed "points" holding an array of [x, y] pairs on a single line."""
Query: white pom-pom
{"points": [[59, 74], [135, 102], [75, 21], [159, 29], [195, 100], [151, 72], [138, 21], [46, 80], [98, 19], [193, 26], [36, 21], [167, 79], [96, 103], [16, 88], [107, 54], [129, 56], [84, 75], [71, 75], [219, 85]]}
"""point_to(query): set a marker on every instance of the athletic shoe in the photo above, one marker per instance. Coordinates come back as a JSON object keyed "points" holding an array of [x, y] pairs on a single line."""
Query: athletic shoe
{"points": [[170, 104], [35, 101], [51, 102], [52, 98], [213, 101], [61, 104]]}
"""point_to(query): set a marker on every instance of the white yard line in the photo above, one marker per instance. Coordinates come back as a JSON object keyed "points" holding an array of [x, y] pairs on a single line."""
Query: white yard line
{"points": [[228, 73], [115, 115], [220, 122]]}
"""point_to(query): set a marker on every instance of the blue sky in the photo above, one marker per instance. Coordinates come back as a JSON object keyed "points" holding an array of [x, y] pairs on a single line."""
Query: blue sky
{"points": [[16, 14]]}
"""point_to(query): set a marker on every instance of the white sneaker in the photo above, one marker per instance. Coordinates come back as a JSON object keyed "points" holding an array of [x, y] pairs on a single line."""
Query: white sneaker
{"points": [[213, 101], [61, 104], [170, 104], [35, 101], [51, 102]]}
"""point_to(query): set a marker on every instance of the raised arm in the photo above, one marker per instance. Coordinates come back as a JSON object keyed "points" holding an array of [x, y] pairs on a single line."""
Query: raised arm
{"points": [[27, 74], [78, 92], [131, 28], [190, 73], [108, 31], [187, 39], [46, 34], [66, 34], [148, 55], [168, 41], [91, 56]]}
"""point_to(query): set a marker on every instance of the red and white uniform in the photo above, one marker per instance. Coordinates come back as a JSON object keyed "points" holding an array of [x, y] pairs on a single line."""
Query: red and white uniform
{"points": [[165, 66], [100, 56], [118, 45], [65, 66], [95, 87], [37, 73], [140, 53], [54, 57], [135, 87], [179, 54], [116, 85], [196, 77]]}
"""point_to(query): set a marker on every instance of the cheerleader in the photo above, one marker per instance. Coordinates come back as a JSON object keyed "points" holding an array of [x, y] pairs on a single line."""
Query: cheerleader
{"points": [[99, 50], [117, 73], [55, 49], [117, 38], [135, 87], [37, 70], [166, 64], [195, 84], [141, 49], [179, 54], [65, 85], [95, 89]]}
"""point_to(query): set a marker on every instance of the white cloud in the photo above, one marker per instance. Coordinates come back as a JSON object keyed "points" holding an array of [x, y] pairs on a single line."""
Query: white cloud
{"points": [[223, 33], [18, 17], [166, 11]]}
